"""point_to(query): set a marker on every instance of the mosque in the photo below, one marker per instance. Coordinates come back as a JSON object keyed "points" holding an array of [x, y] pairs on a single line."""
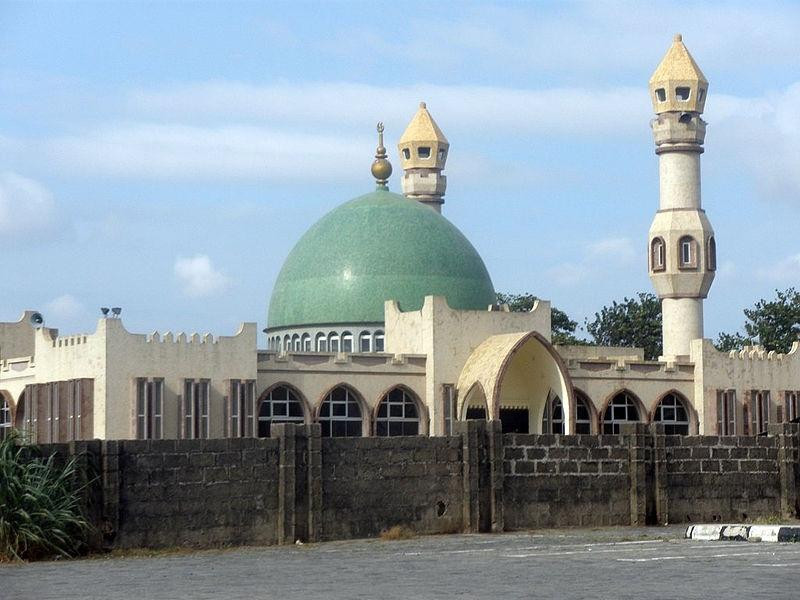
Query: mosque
{"points": [[383, 321]]}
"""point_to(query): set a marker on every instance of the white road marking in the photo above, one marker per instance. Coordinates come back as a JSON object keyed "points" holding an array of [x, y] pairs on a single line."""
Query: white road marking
{"points": [[794, 564], [651, 559]]}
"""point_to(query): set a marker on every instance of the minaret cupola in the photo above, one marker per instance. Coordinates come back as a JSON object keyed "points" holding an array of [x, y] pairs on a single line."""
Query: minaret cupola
{"points": [[423, 154], [678, 84]]}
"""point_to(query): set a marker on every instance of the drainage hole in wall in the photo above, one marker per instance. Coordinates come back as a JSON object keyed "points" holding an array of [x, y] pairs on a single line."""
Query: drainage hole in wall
{"points": [[441, 508]]}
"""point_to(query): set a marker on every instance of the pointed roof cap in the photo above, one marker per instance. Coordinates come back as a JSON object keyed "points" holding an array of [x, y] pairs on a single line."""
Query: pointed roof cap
{"points": [[423, 128], [678, 65]]}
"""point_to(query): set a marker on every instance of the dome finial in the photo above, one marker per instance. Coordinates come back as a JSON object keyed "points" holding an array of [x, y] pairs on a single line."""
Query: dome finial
{"points": [[381, 167]]}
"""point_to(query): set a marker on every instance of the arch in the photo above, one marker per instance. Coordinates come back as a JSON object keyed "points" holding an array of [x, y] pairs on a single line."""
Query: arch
{"points": [[305, 342], [658, 254], [287, 343], [617, 410], [667, 410], [321, 342], [516, 371], [365, 341], [391, 417], [346, 342], [585, 413], [286, 405], [378, 341], [553, 415], [296, 347], [711, 254], [687, 252], [6, 414], [333, 341], [474, 403], [342, 398]]}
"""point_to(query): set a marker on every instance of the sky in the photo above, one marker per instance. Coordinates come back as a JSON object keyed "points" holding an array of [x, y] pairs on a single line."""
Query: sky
{"points": [[165, 157]]}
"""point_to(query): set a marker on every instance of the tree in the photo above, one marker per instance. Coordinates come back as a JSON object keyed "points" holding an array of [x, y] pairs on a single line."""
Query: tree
{"points": [[632, 322], [774, 324], [562, 326]]}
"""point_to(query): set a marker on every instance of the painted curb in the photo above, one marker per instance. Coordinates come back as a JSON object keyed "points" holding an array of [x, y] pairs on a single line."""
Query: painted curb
{"points": [[744, 533]]}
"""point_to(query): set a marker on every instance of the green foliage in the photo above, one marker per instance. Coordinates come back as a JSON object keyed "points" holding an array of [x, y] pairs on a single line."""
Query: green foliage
{"points": [[774, 324], [634, 322], [562, 326], [40, 506]]}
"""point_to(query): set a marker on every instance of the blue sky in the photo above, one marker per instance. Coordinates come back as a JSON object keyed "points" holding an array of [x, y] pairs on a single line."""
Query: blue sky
{"points": [[165, 157]]}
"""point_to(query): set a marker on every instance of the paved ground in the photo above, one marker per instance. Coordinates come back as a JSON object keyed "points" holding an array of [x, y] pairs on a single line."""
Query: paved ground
{"points": [[605, 563]]}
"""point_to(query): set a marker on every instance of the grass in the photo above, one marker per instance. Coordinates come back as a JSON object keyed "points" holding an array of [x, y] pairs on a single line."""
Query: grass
{"points": [[398, 532], [40, 504]]}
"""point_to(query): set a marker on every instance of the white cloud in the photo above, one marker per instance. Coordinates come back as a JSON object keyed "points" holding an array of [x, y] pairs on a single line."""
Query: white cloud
{"points": [[618, 249], [64, 308], [599, 259], [784, 271], [198, 276], [26, 207]]}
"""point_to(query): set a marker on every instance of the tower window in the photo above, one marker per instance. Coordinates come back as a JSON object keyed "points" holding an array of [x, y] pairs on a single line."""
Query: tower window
{"points": [[442, 153], [711, 259], [661, 95], [687, 249], [701, 94], [406, 153], [683, 93], [424, 152], [657, 255]]}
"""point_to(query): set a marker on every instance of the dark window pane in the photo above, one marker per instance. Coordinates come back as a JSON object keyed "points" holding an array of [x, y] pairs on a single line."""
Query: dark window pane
{"points": [[354, 410]]}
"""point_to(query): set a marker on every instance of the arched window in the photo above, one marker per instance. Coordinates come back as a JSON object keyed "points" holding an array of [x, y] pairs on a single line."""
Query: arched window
{"points": [[553, 417], [306, 342], [397, 414], [583, 414], [377, 345], [287, 343], [279, 405], [333, 342], [711, 259], [347, 342], [5, 417], [365, 342], [672, 413], [687, 252], [658, 257], [340, 414], [621, 409], [322, 343], [296, 343]]}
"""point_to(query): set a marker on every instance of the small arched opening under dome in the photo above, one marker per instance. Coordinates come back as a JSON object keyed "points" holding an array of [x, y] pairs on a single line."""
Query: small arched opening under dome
{"points": [[321, 344], [365, 341], [674, 413], [623, 407], [517, 372], [398, 413], [341, 413], [6, 421], [281, 403], [287, 343], [296, 343], [333, 342], [378, 341], [306, 342], [711, 258], [347, 342]]}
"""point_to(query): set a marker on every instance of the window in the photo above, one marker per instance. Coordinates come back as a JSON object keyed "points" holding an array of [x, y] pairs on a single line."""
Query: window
{"points": [[242, 397], [672, 413], [149, 408], [726, 412], [790, 400], [279, 405], [306, 342], [74, 398], [583, 414], [442, 154], [759, 411], [347, 342], [424, 152], [365, 342], [687, 258], [701, 94], [333, 342], [553, 417], [657, 254], [287, 343], [340, 414], [661, 95], [27, 413], [296, 347], [397, 414], [449, 408], [195, 408], [711, 259], [682, 93], [406, 153], [621, 409], [53, 412], [378, 342], [322, 343], [5, 417]]}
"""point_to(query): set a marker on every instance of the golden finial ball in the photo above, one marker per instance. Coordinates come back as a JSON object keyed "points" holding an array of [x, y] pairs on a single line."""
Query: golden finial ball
{"points": [[381, 169]]}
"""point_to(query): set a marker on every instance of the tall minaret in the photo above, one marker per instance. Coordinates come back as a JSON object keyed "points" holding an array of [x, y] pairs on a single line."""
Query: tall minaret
{"points": [[681, 245], [423, 153]]}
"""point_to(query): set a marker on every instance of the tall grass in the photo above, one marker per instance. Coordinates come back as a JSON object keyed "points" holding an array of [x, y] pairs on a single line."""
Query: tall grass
{"points": [[40, 504]]}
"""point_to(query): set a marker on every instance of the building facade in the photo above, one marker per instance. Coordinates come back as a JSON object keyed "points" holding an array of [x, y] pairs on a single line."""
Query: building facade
{"points": [[383, 322]]}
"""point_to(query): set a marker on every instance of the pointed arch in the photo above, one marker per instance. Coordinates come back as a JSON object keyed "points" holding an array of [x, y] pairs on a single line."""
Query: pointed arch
{"points": [[617, 410], [474, 400], [667, 410], [378, 418], [585, 420], [278, 404], [343, 397]]}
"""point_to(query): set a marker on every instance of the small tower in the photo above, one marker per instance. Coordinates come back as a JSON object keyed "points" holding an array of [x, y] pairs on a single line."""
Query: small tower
{"points": [[423, 154], [682, 250]]}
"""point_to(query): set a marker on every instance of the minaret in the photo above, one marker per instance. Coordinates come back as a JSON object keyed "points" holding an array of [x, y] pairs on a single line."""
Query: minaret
{"points": [[423, 153], [682, 250]]}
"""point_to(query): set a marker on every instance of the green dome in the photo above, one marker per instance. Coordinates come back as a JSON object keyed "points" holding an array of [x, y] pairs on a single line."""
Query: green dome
{"points": [[377, 247]]}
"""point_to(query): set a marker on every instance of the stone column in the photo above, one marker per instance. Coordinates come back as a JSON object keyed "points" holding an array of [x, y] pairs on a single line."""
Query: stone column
{"points": [[788, 466], [635, 433], [660, 481]]}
